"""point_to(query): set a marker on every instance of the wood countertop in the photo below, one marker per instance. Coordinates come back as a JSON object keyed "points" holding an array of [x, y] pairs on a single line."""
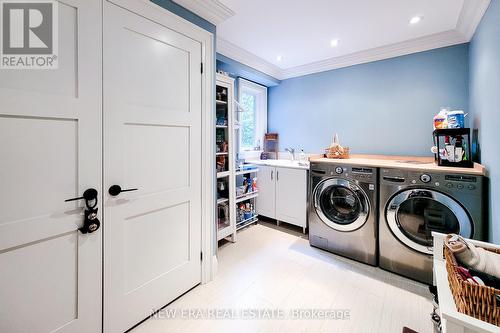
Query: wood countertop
{"points": [[402, 162]]}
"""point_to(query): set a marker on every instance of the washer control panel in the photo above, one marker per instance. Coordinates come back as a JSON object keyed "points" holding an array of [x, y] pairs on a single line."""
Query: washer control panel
{"points": [[339, 170], [363, 174]]}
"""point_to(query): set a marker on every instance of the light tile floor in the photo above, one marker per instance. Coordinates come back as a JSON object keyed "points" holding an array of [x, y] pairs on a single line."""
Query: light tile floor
{"points": [[271, 268]]}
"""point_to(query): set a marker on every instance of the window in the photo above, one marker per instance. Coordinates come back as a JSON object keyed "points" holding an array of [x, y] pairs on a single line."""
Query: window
{"points": [[253, 118]]}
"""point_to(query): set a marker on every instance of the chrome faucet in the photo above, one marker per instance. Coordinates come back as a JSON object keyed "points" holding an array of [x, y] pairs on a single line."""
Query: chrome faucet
{"points": [[292, 152]]}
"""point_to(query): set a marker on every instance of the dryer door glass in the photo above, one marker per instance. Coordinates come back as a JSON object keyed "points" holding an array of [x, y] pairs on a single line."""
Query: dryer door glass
{"points": [[418, 217], [341, 204], [412, 215]]}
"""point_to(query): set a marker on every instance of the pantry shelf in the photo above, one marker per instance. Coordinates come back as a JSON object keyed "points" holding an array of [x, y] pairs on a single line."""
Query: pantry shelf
{"points": [[222, 200], [244, 172], [247, 196], [225, 232], [223, 174], [247, 222]]}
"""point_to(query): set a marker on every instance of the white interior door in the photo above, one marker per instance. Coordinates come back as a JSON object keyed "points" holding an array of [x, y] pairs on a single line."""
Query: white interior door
{"points": [[266, 201], [50, 148], [152, 142]]}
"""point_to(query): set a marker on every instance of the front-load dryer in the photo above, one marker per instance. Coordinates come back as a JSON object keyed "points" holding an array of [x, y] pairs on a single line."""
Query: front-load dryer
{"points": [[343, 210], [413, 204]]}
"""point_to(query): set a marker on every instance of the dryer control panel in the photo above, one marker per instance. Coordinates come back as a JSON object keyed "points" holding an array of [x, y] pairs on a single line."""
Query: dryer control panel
{"points": [[446, 182]]}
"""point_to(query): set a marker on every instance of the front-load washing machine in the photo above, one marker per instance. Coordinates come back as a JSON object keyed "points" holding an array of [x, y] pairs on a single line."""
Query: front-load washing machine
{"points": [[413, 204], [343, 210]]}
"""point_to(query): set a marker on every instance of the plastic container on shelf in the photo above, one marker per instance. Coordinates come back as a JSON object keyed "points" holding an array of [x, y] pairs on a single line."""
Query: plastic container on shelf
{"points": [[441, 119], [456, 119]]}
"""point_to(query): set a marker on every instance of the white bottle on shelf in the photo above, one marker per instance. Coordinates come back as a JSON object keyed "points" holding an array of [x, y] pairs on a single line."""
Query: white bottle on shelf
{"points": [[302, 157]]}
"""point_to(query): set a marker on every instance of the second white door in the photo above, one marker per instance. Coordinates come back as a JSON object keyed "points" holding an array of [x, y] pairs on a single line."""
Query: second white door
{"points": [[152, 143]]}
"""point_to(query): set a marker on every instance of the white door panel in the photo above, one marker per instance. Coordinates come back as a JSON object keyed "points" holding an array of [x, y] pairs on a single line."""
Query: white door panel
{"points": [[50, 130], [45, 299], [147, 166], [266, 201], [152, 126]]}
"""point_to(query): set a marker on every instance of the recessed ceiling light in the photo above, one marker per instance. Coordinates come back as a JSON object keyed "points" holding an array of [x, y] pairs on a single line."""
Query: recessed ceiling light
{"points": [[279, 58], [415, 19], [334, 42]]}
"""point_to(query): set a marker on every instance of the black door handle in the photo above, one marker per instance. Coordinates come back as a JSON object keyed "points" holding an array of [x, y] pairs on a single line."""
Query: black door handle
{"points": [[88, 195], [114, 190]]}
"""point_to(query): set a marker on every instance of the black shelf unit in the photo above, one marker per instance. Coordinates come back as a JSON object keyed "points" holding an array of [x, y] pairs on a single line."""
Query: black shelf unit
{"points": [[453, 135]]}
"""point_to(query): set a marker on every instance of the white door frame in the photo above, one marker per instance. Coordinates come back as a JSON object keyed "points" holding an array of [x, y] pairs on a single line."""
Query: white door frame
{"points": [[168, 19]]}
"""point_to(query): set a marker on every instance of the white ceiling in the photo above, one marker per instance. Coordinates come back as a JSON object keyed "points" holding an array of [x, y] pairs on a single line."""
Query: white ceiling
{"points": [[301, 31], [255, 32]]}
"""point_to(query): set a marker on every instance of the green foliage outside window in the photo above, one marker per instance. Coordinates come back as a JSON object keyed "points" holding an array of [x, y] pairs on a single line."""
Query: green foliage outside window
{"points": [[247, 121]]}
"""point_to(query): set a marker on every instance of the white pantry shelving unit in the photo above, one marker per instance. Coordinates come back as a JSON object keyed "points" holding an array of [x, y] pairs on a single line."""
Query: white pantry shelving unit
{"points": [[225, 154], [229, 218]]}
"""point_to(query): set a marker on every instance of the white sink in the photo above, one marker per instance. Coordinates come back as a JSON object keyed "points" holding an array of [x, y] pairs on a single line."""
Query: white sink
{"points": [[281, 163]]}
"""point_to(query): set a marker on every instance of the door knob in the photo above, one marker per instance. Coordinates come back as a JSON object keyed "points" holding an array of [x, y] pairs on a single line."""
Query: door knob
{"points": [[114, 190]]}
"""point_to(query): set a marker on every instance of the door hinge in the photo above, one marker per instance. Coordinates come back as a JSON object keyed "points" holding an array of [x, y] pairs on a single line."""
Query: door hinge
{"points": [[201, 256], [201, 67]]}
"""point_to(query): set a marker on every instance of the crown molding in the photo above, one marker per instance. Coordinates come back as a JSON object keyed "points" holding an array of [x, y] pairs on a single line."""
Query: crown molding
{"points": [[211, 10], [235, 52], [470, 17], [426, 43]]}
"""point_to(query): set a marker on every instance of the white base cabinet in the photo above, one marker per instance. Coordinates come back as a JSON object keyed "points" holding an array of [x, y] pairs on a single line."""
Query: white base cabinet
{"points": [[266, 202], [283, 194]]}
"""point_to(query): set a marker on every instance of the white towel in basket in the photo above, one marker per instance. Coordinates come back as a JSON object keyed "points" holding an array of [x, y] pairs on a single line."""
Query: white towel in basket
{"points": [[474, 257]]}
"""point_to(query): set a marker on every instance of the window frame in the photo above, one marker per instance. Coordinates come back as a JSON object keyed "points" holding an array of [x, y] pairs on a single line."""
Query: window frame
{"points": [[260, 93]]}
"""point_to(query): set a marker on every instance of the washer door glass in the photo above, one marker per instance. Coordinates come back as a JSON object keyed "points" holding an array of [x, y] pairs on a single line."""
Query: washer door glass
{"points": [[341, 204], [413, 215]]}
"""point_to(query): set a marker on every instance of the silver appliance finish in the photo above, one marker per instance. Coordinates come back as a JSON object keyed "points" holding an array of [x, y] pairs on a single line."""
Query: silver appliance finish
{"points": [[343, 210], [413, 204]]}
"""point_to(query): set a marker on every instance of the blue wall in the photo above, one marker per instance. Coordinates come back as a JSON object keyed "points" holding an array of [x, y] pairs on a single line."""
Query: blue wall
{"points": [[383, 107], [485, 104]]}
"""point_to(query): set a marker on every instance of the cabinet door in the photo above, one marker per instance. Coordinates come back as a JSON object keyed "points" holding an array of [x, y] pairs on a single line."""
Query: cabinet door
{"points": [[266, 201], [291, 196]]}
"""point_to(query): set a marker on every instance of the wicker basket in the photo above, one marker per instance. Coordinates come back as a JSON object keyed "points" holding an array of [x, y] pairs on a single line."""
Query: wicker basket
{"points": [[337, 153], [472, 299]]}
